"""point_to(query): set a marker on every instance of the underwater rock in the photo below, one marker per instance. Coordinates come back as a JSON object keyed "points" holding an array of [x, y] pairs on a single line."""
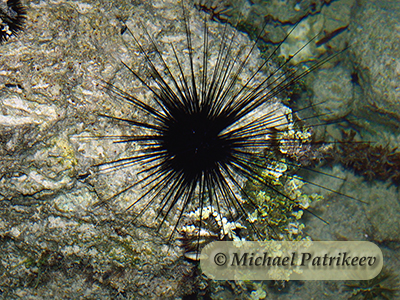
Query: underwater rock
{"points": [[331, 21], [41, 90], [60, 255], [34, 159], [376, 55], [324, 17], [333, 93]]}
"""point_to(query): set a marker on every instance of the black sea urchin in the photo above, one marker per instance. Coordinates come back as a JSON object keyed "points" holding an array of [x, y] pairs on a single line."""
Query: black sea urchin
{"points": [[12, 17], [213, 123]]}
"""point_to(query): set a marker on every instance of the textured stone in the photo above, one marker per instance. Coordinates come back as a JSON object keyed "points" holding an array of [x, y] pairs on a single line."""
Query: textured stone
{"points": [[376, 54], [333, 93]]}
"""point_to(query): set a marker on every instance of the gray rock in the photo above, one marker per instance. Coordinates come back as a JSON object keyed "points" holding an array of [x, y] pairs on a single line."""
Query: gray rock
{"points": [[333, 93], [376, 54]]}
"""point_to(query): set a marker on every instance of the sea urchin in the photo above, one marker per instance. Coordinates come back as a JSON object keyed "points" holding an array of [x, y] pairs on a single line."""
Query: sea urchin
{"points": [[212, 124]]}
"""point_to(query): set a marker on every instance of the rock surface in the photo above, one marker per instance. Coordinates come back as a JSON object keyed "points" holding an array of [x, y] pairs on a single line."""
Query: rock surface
{"points": [[375, 32]]}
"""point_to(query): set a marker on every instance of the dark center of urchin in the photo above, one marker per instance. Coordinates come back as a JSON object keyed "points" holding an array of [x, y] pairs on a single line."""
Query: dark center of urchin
{"points": [[194, 143]]}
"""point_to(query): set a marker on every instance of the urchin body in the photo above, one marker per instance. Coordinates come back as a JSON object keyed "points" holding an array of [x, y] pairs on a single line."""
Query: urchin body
{"points": [[194, 143]]}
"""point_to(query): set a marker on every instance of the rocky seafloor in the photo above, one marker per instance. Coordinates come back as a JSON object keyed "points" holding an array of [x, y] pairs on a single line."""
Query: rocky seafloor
{"points": [[55, 244]]}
